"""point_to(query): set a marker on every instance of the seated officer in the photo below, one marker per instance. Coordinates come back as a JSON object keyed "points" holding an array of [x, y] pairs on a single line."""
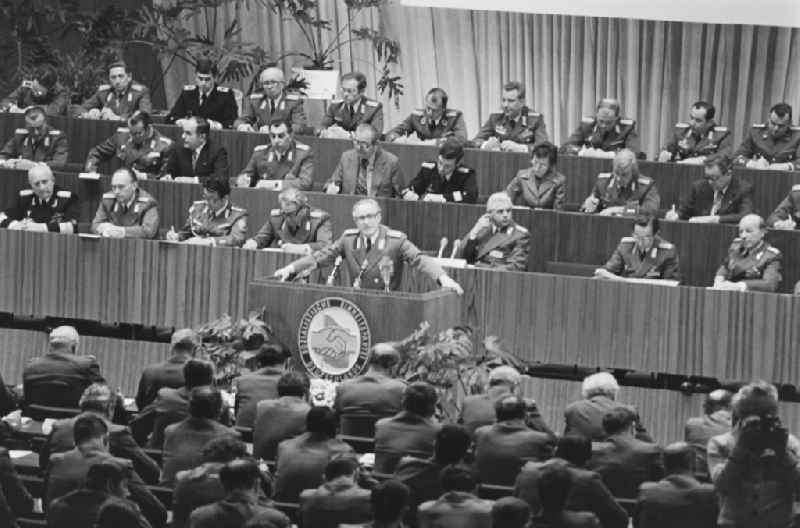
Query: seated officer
{"points": [[206, 99], [433, 122], [38, 142], [496, 241], [344, 115], [42, 90], [645, 255], [271, 103], [213, 221], [139, 146], [118, 100], [446, 180], [624, 191], [771, 145], [603, 134], [127, 211], [752, 263], [283, 159], [786, 215], [540, 186], [698, 138], [516, 128], [296, 227], [43, 207]]}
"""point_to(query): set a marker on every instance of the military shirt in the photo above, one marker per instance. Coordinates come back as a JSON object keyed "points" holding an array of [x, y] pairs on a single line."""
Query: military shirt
{"points": [[548, 193], [462, 186], [257, 111], [60, 212], [588, 134], [139, 218], [135, 97], [451, 123], [641, 196], [228, 227], [365, 111], [219, 105], [686, 143], [659, 262], [758, 142], [55, 102], [148, 157], [314, 228], [51, 147], [758, 267], [502, 249], [295, 166], [788, 208], [528, 128]]}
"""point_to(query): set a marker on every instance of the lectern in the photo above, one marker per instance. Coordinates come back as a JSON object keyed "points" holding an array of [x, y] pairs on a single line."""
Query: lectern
{"points": [[331, 328]]}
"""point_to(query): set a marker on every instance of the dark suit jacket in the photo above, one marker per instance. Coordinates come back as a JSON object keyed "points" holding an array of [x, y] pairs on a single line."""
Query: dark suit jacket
{"points": [[301, 464], [478, 410], [405, 433], [677, 500], [194, 488], [587, 493], [371, 393], [276, 421], [76, 509], [334, 503], [15, 501], [212, 163], [167, 373], [234, 511], [421, 475], [456, 508], [699, 430], [567, 519], [585, 417], [624, 462], [251, 389], [169, 407], [387, 178], [736, 202], [184, 442], [500, 449], [58, 379]]}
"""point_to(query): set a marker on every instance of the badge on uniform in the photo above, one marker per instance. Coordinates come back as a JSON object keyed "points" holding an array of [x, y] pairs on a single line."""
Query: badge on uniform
{"points": [[500, 130], [496, 254]]}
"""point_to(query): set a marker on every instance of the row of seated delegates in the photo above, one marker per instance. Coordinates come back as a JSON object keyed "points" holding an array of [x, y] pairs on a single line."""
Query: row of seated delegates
{"points": [[37, 142], [119, 99], [205, 98], [41, 88]]}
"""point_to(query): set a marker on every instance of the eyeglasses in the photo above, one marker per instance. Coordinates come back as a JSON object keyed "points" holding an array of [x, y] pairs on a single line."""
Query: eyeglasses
{"points": [[364, 217]]}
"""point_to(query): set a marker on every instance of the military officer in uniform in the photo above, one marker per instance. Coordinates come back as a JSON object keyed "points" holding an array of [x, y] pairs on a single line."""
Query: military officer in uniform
{"points": [[540, 186], [496, 241], [138, 146], [119, 99], [42, 90], [604, 134], [43, 207], [214, 220], [344, 115], [206, 98], [787, 214], [752, 263], [624, 191], [283, 159], [433, 122], [698, 138], [445, 180], [127, 211], [516, 128], [295, 227], [38, 142], [270, 104], [373, 254], [771, 145], [644, 255]]}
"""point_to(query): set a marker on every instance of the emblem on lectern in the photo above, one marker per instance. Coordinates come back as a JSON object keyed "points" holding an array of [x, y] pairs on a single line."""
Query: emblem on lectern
{"points": [[334, 339]]}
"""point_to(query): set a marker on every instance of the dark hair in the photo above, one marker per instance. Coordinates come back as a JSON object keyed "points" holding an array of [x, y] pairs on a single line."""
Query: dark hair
{"points": [[384, 355], [88, 427], [359, 77], [220, 186], [618, 419], [340, 466], [452, 444], [554, 486], [509, 408], [321, 420], [140, 116], [105, 475], [719, 159], [118, 64], [782, 110], [202, 125], [574, 448], [117, 513], [708, 107], [224, 449], [644, 220], [458, 478], [441, 95], [206, 66], [515, 85], [678, 457], [420, 398], [205, 402], [33, 111], [389, 500], [239, 474], [293, 383], [271, 354], [545, 149], [46, 75], [452, 148], [197, 372], [510, 512], [278, 121]]}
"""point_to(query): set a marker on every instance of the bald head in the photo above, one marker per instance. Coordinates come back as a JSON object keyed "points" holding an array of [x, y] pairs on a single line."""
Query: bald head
{"points": [[41, 180], [498, 200], [751, 230], [717, 400], [272, 81], [625, 166]]}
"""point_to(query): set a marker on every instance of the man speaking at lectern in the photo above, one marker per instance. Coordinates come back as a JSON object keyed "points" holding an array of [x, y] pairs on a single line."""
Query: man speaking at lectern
{"points": [[371, 252]]}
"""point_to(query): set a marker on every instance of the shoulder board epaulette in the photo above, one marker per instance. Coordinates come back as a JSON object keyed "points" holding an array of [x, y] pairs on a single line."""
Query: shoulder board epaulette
{"points": [[604, 175], [108, 196], [451, 113], [223, 89], [123, 130], [337, 101], [103, 87], [316, 214], [774, 250], [64, 194], [627, 239], [352, 231], [534, 114], [189, 87], [795, 128], [428, 164], [645, 180], [166, 140], [395, 233], [291, 97], [587, 120], [21, 131], [626, 122], [258, 148], [465, 170], [256, 96], [795, 187], [26, 192], [418, 112], [665, 245], [681, 125], [758, 125], [137, 87], [372, 103], [238, 209], [720, 129], [144, 199], [55, 132], [198, 202], [275, 212], [520, 228], [302, 146]]}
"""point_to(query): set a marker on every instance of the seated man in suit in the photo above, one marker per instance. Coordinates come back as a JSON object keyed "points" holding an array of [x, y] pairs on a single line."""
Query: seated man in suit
{"points": [[119, 99], [412, 431], [78, 508], [517, 128], [446, 179], [38, 142], [604, 134], [458, 505], [432, 123], [367, 169], [511, 512], [554, 490], [15, 500], [496, 241], [540, 186], [283, 160], [389, 500], [719, 198], [198, 157], [716, 420], [44, 207], [752, 262], [642, 255], [678, 499], [354, 109], [270, 104], [127, 211], [698, 138], [59, 377], [167, 373], [261, 384], [340, 500], [214, 220], [500, 449], [376, 391], [282, 418], [624, 191], [206, 99]]}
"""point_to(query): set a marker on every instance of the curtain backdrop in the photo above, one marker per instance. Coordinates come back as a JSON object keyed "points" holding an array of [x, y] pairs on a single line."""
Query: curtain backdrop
{"points": [[567, 63]]}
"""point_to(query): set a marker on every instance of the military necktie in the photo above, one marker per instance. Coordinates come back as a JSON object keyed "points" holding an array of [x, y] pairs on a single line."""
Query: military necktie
{"points": [[272, 106], [362, 178], [202, 98], [368, 244], [717, 203]]}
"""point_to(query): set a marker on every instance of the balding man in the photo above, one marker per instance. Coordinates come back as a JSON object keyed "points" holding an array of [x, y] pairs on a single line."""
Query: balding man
{"points": [[752, 263], [517, 128], [43, 207], [271, 103], [127, 211], [604, 134], [496, 241], [716, 420], [376, 391], [353, 109], [434, 122], [168, 373], [623, 192], [38, 142]]}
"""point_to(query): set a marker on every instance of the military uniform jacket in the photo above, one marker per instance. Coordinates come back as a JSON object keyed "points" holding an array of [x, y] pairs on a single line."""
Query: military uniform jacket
{"points": [[51, 147], [315, 230], [140, 219], [504, 249], [60, 212], [461, 187], [528, 128], [685, 143], [547, 193], [257, 111], [353, 249], [295, 166], [227, 227], [220, 105], [450, 124], [147, 157], [641, 196], [759, 267], [588, 134], [54, 103], [758, 142], [659, 262], [365, 111], [788, 208], [135, 97], [737, 201]]}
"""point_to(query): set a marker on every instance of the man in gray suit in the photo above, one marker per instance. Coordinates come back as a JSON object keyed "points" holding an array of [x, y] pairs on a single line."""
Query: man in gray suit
{"points": [[367, 169]]}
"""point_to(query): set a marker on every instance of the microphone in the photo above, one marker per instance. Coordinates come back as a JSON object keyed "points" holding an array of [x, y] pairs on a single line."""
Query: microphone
{"points": [[442, 247], [386, 267], [456, 245], [336, 264], [357, 282]]}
